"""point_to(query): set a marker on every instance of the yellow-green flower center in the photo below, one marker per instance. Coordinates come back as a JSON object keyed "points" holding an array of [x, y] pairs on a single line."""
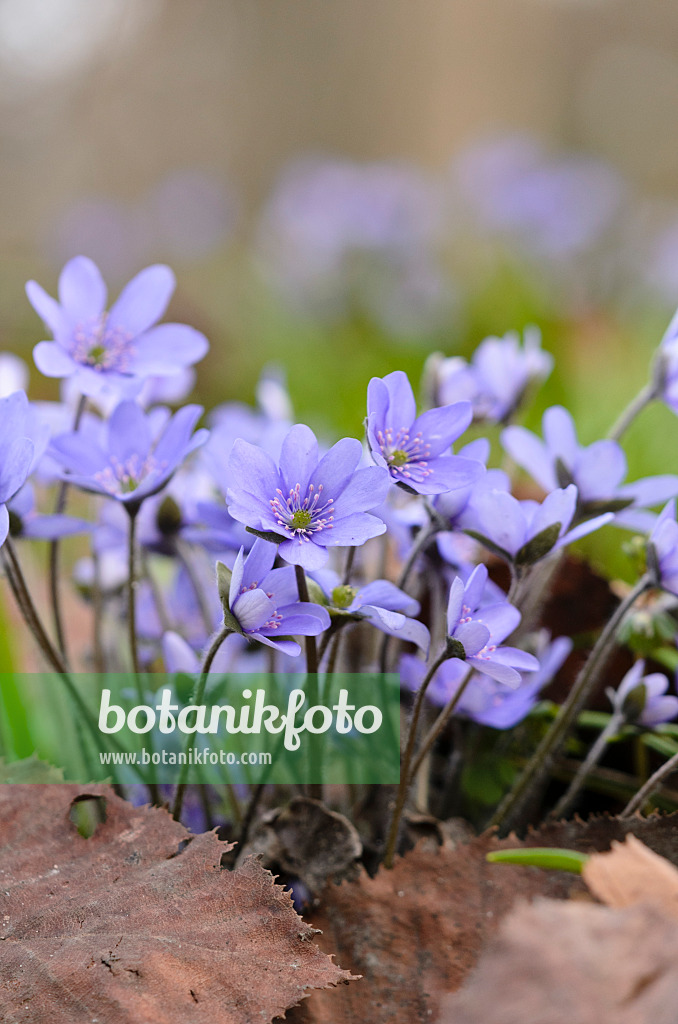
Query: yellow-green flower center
{"points": [[301, 519], [398, 458], [343, 595]]}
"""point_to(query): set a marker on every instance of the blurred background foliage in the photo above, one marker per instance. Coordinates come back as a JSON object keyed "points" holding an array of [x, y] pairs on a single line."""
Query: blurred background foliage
{"points": [[344, 187]]}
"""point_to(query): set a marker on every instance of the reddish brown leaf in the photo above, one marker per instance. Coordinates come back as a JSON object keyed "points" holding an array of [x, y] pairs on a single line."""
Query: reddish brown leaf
{"points": [[416, 931], [139, 923], [565, 962]]}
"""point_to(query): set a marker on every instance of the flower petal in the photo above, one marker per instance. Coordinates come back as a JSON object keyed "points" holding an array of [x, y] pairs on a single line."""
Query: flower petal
{"points": [[47, 308], [166, 349], [143, 301], [441, 426], [252, 609], [82, 291], [298, 457], [52, 360]]}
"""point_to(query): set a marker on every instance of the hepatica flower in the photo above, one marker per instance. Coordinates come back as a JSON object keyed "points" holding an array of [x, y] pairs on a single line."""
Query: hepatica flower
{"points": [[416, 449], [307, 503], [264, 602], [475, 631], [598, 469], [382, 603], [523, 532], [117, 349], [663, 550], [642, 699], [16, 452], [129, 461], [498, 376]]}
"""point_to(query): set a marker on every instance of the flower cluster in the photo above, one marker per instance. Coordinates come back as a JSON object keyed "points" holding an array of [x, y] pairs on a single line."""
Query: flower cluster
{"points": [[393, 553]]}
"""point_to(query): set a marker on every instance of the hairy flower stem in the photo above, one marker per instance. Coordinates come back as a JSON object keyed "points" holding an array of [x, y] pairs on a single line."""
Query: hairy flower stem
{"points": [[315, 789], [540, 763], [646, 395], [348, 568], [405, 767], [594, 755], [439, 724], [650, 787], [196, 699], [54, 550], [186, 562], [423, 538], [132, 596]]}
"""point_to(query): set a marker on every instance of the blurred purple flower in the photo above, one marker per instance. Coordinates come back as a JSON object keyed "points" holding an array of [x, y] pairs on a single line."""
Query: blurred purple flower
{"points": [[498, 376], [17, 452], [485, 700], [128, 463], [311, 504], [524, 532], [118, 349], [475, 631], [642, 699], [597, 469], [265, 601], [382, 603], [663, 549], [26, 523], [414, 448]]}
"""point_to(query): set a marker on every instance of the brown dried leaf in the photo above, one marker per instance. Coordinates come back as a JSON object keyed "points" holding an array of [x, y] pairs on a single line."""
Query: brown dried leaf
{"points": [[565, 962], [307, 840], [416, 931], [139, 923], [631, 873]]}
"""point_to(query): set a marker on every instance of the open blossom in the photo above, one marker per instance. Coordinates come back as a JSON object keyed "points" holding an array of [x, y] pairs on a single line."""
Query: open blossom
{"points": [[265, 601], [17, 452], [129, 461], [597, 469], [416, 449], [642, 699], [383, 604], [310, 504], [117, 349], [475, 631], [523, 532], [497, 378]]}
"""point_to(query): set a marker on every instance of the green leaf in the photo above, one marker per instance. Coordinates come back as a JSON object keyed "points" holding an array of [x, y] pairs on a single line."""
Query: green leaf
{"points": [[29, 770], [539, 546], [272, 538], [224, 576], [542, 857]]}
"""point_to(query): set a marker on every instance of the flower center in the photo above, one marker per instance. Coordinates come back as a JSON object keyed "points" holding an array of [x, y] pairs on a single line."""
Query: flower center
{"points": [[301, 519], [121, 478], [343, 596], [101, 346], [302, 514], [405, 454]]}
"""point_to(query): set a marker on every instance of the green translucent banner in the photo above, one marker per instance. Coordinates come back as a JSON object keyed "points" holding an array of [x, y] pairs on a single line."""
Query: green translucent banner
{"points": [[284, 728]]}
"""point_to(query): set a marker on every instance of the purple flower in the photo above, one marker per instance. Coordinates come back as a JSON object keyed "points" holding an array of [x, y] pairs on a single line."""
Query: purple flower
{"points": [[265, 601], [17, 452], [414, 448], [382, 603], [497, 378], [663, 549], [523, 532], [129, 461], [642, 699], [117, 349], [310, 503], [27, 524], [597, 469], [474, 631]]}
